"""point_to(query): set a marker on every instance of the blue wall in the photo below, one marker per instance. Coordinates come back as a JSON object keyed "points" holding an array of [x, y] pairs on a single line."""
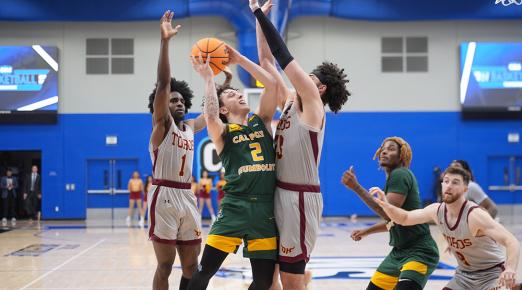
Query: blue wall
{"points": [[351, 139]]}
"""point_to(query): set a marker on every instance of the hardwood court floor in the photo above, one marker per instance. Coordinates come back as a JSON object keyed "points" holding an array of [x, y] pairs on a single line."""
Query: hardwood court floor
{"points": [[76, 255]]}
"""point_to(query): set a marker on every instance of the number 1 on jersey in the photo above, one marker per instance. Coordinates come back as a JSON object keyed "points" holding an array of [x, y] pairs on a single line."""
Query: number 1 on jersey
{"points": [[181, 171]]}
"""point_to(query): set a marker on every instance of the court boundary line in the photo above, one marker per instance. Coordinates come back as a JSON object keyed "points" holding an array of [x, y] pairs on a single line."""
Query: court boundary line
{"points": [[62, 264]]}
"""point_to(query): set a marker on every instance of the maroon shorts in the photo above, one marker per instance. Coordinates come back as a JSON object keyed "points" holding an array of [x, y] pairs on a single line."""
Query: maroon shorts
{"points": [[221, 194], [204, 194], [135, 195], [145, 197]]}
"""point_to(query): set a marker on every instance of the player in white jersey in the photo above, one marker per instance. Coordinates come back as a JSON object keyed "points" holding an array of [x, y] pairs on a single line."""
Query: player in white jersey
{"points": [[471, 233], [174, 222], [299, 139]]}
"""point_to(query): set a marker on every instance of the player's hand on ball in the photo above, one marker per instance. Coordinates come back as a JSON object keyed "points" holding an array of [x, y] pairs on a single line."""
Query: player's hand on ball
{"points": [[167, 31], [349, 179], [202, 67], [234, 56]]}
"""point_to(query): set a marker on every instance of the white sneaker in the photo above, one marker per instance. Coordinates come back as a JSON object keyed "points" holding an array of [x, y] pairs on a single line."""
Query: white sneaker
{"points": [[212, 218], [4, 222], [141, 223], [13, 222], [128, 221]]}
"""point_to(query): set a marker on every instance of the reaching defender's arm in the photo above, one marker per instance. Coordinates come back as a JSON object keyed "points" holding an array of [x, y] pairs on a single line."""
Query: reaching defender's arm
{"points": [[311, 100], [215, 126], [267, 60], [161, 119], [481, 223], [267, 105], [403, 217]]}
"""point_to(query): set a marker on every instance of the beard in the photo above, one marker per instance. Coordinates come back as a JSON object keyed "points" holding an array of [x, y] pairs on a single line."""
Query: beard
{"points": [[450, 198]]}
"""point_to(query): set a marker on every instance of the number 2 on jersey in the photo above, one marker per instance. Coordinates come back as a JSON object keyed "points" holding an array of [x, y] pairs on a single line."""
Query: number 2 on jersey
{"points": [[181, 172], [256, 150], [462, 258]]}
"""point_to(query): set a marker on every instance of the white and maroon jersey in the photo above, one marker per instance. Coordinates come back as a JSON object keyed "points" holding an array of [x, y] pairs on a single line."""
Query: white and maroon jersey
{"points": [[298, 148], [172, 160], [472, 253]]}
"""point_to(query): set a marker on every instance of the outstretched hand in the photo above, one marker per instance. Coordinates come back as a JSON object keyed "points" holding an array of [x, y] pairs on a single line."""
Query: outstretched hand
{"points": [[201, 66], [349, 179], [267, 7], [167, 31], [379, 196], [253, 4], [357, 235]]}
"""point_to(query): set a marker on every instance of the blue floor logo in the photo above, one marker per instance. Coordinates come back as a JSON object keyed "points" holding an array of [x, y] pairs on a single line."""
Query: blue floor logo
{"points": [[360, 268]]}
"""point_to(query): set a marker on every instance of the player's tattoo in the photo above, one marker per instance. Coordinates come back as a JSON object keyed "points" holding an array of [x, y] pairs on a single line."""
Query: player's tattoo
{"points": [[368, 199], [211, 103]]}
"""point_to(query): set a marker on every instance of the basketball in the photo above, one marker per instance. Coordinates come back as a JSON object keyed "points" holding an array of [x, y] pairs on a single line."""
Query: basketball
{"points": [[216, 48]]}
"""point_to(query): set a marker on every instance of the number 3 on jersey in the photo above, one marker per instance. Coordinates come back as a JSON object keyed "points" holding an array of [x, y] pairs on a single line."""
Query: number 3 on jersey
{"points": [[256, 151], [279, 139]]}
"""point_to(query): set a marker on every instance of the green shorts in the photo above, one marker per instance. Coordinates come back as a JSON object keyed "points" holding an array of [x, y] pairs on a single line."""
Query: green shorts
{"points": [[250, 219], [415, 263]]}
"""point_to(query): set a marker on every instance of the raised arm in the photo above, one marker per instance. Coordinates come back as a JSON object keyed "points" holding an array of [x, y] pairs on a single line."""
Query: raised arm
{"points": [[267, 101], [403, 217], [197, 123], [313, 109], [215, 126], [267, 60], [161, 119], [481, 223], [349, 180]]}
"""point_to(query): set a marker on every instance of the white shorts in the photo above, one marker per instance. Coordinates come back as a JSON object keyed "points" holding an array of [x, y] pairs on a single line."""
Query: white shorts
{"points": [[298, 211], [479, 280], [173, 215]]}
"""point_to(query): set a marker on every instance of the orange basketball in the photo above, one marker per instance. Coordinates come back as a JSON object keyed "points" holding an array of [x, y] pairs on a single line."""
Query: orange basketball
{"points": [[216, 48]]}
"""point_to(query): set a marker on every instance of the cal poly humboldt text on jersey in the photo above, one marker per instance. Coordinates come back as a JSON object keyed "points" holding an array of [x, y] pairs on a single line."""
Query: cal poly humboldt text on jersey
{"points": [[249, 157]]}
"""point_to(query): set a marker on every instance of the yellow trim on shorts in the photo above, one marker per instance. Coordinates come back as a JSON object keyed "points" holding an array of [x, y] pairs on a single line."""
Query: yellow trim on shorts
{"points": [[223, 243], [265, 244], [415, 266], [383, 281]]}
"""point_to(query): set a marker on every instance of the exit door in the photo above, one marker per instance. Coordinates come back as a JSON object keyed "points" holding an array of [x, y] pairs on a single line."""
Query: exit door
{"points": [[107, 181]]}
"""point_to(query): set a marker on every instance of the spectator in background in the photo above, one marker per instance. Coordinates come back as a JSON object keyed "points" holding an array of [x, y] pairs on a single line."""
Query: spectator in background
{"points": [[33, 194], [475, 192], [8, 185], [204, 186], [219, 187], [135, 187]]}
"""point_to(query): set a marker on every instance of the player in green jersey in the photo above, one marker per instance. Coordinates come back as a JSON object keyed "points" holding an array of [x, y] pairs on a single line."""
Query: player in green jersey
{"points": [[414, 255], [246, 149]]}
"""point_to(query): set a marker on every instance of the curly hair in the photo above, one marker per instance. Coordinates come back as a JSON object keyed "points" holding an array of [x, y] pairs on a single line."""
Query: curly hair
{"points": [[405, 150], [335, 80], [181, 87], [465, 165]]}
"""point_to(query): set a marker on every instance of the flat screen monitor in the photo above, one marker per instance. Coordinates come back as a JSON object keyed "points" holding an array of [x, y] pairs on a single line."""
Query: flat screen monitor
{"points": [[491, 80], [28, 84]]}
